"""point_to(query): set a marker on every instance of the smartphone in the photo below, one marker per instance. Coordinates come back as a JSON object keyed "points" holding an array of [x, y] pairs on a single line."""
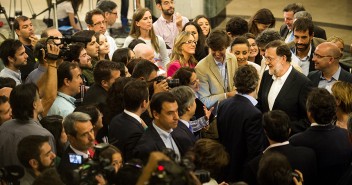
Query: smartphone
{"points": [[75, 159]]}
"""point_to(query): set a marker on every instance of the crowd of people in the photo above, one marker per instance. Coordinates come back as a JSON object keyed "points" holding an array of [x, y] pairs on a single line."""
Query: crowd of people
{"points": [[179, 103]]}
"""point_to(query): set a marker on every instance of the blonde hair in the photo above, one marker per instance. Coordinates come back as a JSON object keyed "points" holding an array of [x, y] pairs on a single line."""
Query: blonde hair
{"points": [[342, 91], [177, 54], [136, 32]]}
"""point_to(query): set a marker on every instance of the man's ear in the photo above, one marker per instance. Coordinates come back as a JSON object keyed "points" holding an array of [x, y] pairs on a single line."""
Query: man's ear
{"points": [[155, 114], [104, 83], [33, 163], [11, 59], [90, 27], [66, 82], [17, 32], [158, 6]]}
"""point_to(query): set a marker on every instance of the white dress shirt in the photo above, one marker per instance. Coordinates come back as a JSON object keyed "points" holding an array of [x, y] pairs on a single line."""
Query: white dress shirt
{"points": [[276, 87]]}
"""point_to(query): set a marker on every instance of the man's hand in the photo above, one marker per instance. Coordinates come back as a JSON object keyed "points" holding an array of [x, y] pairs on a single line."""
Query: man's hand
{"points": [[160, 87], [53, 50], [231, 94], [207, 112], [34, 40]]}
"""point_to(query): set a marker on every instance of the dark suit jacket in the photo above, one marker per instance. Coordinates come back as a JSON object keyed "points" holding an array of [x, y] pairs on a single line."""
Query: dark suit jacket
{"points": [[315, 42], [183, 135], [241, 132], [318, 32], [66, 168], [300, 158], [124, 133], [314, 76], [96, 95], [291, 98], [332, 147], [149, 142]]}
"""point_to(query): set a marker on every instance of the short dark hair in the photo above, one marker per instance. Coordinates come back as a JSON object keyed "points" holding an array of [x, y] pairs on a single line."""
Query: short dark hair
{"points": [[135, 42], [64, 71], [158, 99], [22, 98], [16, 24], [218, 40], [91, 110], [143, 69], [134, 93], [75, 51], [281, 49], [322, 106], [303, 24], [276, 124], [102, 70], [29, 148], [184, 75], [274, 168], [157, 1], [7, 82], [240, 40], [294, 7], [106, 5], [53, 124], [267, 36], [90, 14], [237, 26], [121, 55], [86, 34], [8, 48], [246, 79]]}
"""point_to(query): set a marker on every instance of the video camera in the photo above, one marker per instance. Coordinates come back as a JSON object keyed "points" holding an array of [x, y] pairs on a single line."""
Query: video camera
{"points": [[176, 173], [63, 43], [85, 174]]}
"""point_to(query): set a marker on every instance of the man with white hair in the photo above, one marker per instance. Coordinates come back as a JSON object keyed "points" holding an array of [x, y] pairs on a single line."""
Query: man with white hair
{"points": [[147, 52]]}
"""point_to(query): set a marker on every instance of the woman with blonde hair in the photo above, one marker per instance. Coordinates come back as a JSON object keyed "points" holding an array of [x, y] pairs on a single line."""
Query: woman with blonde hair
{"points": [[182, 53], [342, 91], [142, 28]]}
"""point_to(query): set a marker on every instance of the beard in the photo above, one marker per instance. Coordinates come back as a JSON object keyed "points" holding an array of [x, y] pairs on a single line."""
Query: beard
{"points": [[169, 12], [275, 70], [41, 167], [303, 47]]}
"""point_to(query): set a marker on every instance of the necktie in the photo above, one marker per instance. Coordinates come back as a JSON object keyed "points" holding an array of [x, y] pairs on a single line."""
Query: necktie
{"points": [[190, 128]]}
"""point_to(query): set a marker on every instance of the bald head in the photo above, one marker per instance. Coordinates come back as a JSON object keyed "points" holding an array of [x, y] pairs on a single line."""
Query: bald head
{"points": [[51, 32], [329, 49], [144, 51]]}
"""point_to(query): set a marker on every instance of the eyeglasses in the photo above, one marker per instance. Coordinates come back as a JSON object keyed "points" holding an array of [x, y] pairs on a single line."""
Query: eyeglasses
{"points": [[100, 23], [320, 56], [269, 59], [194, 82], [190, 42]]}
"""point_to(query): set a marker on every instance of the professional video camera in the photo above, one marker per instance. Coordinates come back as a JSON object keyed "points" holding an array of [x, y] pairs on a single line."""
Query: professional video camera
{"points": [[63, 43], [85, 174], [11, 174], [176, 173]]}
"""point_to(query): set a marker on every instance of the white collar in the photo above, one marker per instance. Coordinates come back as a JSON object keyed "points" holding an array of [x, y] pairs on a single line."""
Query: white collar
{"points": [[135, 116], [85, 155], [276, 145]]}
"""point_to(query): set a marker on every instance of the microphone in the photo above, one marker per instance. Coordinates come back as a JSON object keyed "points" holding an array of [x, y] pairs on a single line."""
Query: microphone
{"points": [[11, 173]]}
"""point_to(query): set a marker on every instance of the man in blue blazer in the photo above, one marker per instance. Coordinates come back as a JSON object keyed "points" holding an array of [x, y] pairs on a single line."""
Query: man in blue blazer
{"points": [[239, 124]]}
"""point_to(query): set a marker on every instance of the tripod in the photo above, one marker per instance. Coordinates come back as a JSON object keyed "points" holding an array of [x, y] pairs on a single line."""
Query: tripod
{"points": [[10, 23]]}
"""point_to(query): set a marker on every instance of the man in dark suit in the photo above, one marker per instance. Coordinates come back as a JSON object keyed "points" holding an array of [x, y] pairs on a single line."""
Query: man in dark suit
{"points": [[239, 124], [105, 74], [284, 88], [304, 43], [286, 29], [186, 108], [276, 124], [80, 134], [328, 70], [330, 143], [158, 136], [127, 127]]}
